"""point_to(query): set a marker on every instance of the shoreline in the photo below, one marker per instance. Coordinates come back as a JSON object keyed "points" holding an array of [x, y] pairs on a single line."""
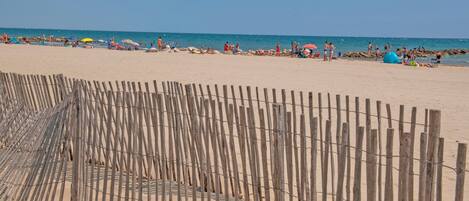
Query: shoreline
{"points": [[345, 46], [249, 53]]}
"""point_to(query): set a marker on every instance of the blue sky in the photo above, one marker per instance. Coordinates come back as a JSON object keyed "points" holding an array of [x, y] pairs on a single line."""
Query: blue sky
{"points": [[398, 18]]}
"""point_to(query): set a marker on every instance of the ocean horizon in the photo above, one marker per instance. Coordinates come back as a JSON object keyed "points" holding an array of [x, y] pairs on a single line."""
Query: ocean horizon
{"points": [[251, 41]]}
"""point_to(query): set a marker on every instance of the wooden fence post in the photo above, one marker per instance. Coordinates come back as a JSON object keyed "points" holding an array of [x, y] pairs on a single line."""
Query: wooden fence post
{"points": [[371, 145], [279, 117], [413, 121], [358, 167], [342, 162], [434, 134], [423, 166], [403, 167], [460, 171], [439, 170], [76, 145], [388, 186]]}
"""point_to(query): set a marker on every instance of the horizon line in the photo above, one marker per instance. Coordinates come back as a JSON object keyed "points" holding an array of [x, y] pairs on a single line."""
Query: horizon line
{"points": [[244, 34]]}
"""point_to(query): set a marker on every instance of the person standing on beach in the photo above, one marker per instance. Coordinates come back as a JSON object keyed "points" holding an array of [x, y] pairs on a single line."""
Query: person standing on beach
{"points": [[294, 48], [370, 47], [331, 51], [160, 43], [378, 52], [225, 48], [277, 50], [326, 48]]}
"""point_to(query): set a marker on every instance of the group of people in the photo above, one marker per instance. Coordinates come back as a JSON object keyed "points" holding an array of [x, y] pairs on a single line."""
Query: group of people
{"points": [[231, 48], [406, 56], [377, 51], [409, 57], [328, 51]]}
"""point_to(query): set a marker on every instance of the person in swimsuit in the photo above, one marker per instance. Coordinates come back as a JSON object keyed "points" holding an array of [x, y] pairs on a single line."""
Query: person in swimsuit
{"points": [[160, 43], [378, 52], [438, 58], [225, 47], [277, 50], [331, 51], [326, 48], [370, 47]]}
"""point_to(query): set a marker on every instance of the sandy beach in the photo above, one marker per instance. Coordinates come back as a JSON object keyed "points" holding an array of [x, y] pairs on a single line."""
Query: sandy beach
{"points": [[443, 88]]}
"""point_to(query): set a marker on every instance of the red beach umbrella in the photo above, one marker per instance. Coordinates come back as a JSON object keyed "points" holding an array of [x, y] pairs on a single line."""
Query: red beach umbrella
{"points": [[310, 46]]}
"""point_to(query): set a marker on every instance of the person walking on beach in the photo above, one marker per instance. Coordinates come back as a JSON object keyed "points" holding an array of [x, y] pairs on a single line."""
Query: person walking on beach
{"points": [[277, 50], [160, 43], [326, 48], [370, 47], [331, 51]]}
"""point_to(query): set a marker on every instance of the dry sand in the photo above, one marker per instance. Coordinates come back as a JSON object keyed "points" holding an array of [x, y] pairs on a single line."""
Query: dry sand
{"points": [[444, 88]]}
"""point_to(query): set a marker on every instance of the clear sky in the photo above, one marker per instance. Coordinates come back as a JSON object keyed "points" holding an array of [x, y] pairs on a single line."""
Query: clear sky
{"points": [[397, 18]]}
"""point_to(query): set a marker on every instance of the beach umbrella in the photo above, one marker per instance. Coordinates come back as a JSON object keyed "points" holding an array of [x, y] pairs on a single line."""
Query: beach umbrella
{"points": [[87, 40], [130, 42], [310, 46]]}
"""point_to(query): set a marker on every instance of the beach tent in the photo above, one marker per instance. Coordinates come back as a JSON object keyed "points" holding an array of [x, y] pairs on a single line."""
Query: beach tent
{"points": [[391, 58]]}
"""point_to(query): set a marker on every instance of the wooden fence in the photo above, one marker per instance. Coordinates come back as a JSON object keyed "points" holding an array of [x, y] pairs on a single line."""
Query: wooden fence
{"points": [[69, 139]]}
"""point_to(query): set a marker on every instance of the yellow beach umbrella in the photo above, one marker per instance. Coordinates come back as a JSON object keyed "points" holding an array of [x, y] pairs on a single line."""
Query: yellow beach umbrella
{"points": [[87, 40]]}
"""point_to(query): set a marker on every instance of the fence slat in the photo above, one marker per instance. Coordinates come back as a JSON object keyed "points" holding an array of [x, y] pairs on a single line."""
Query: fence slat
{"points": [[404, 149], [371, 155], [439, 171], [358, 165], [434, 134], [388, 186], [460, 171], [422, 166]]}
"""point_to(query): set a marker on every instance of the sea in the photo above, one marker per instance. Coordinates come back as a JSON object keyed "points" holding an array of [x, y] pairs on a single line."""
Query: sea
{"points": [[216, 41]]}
